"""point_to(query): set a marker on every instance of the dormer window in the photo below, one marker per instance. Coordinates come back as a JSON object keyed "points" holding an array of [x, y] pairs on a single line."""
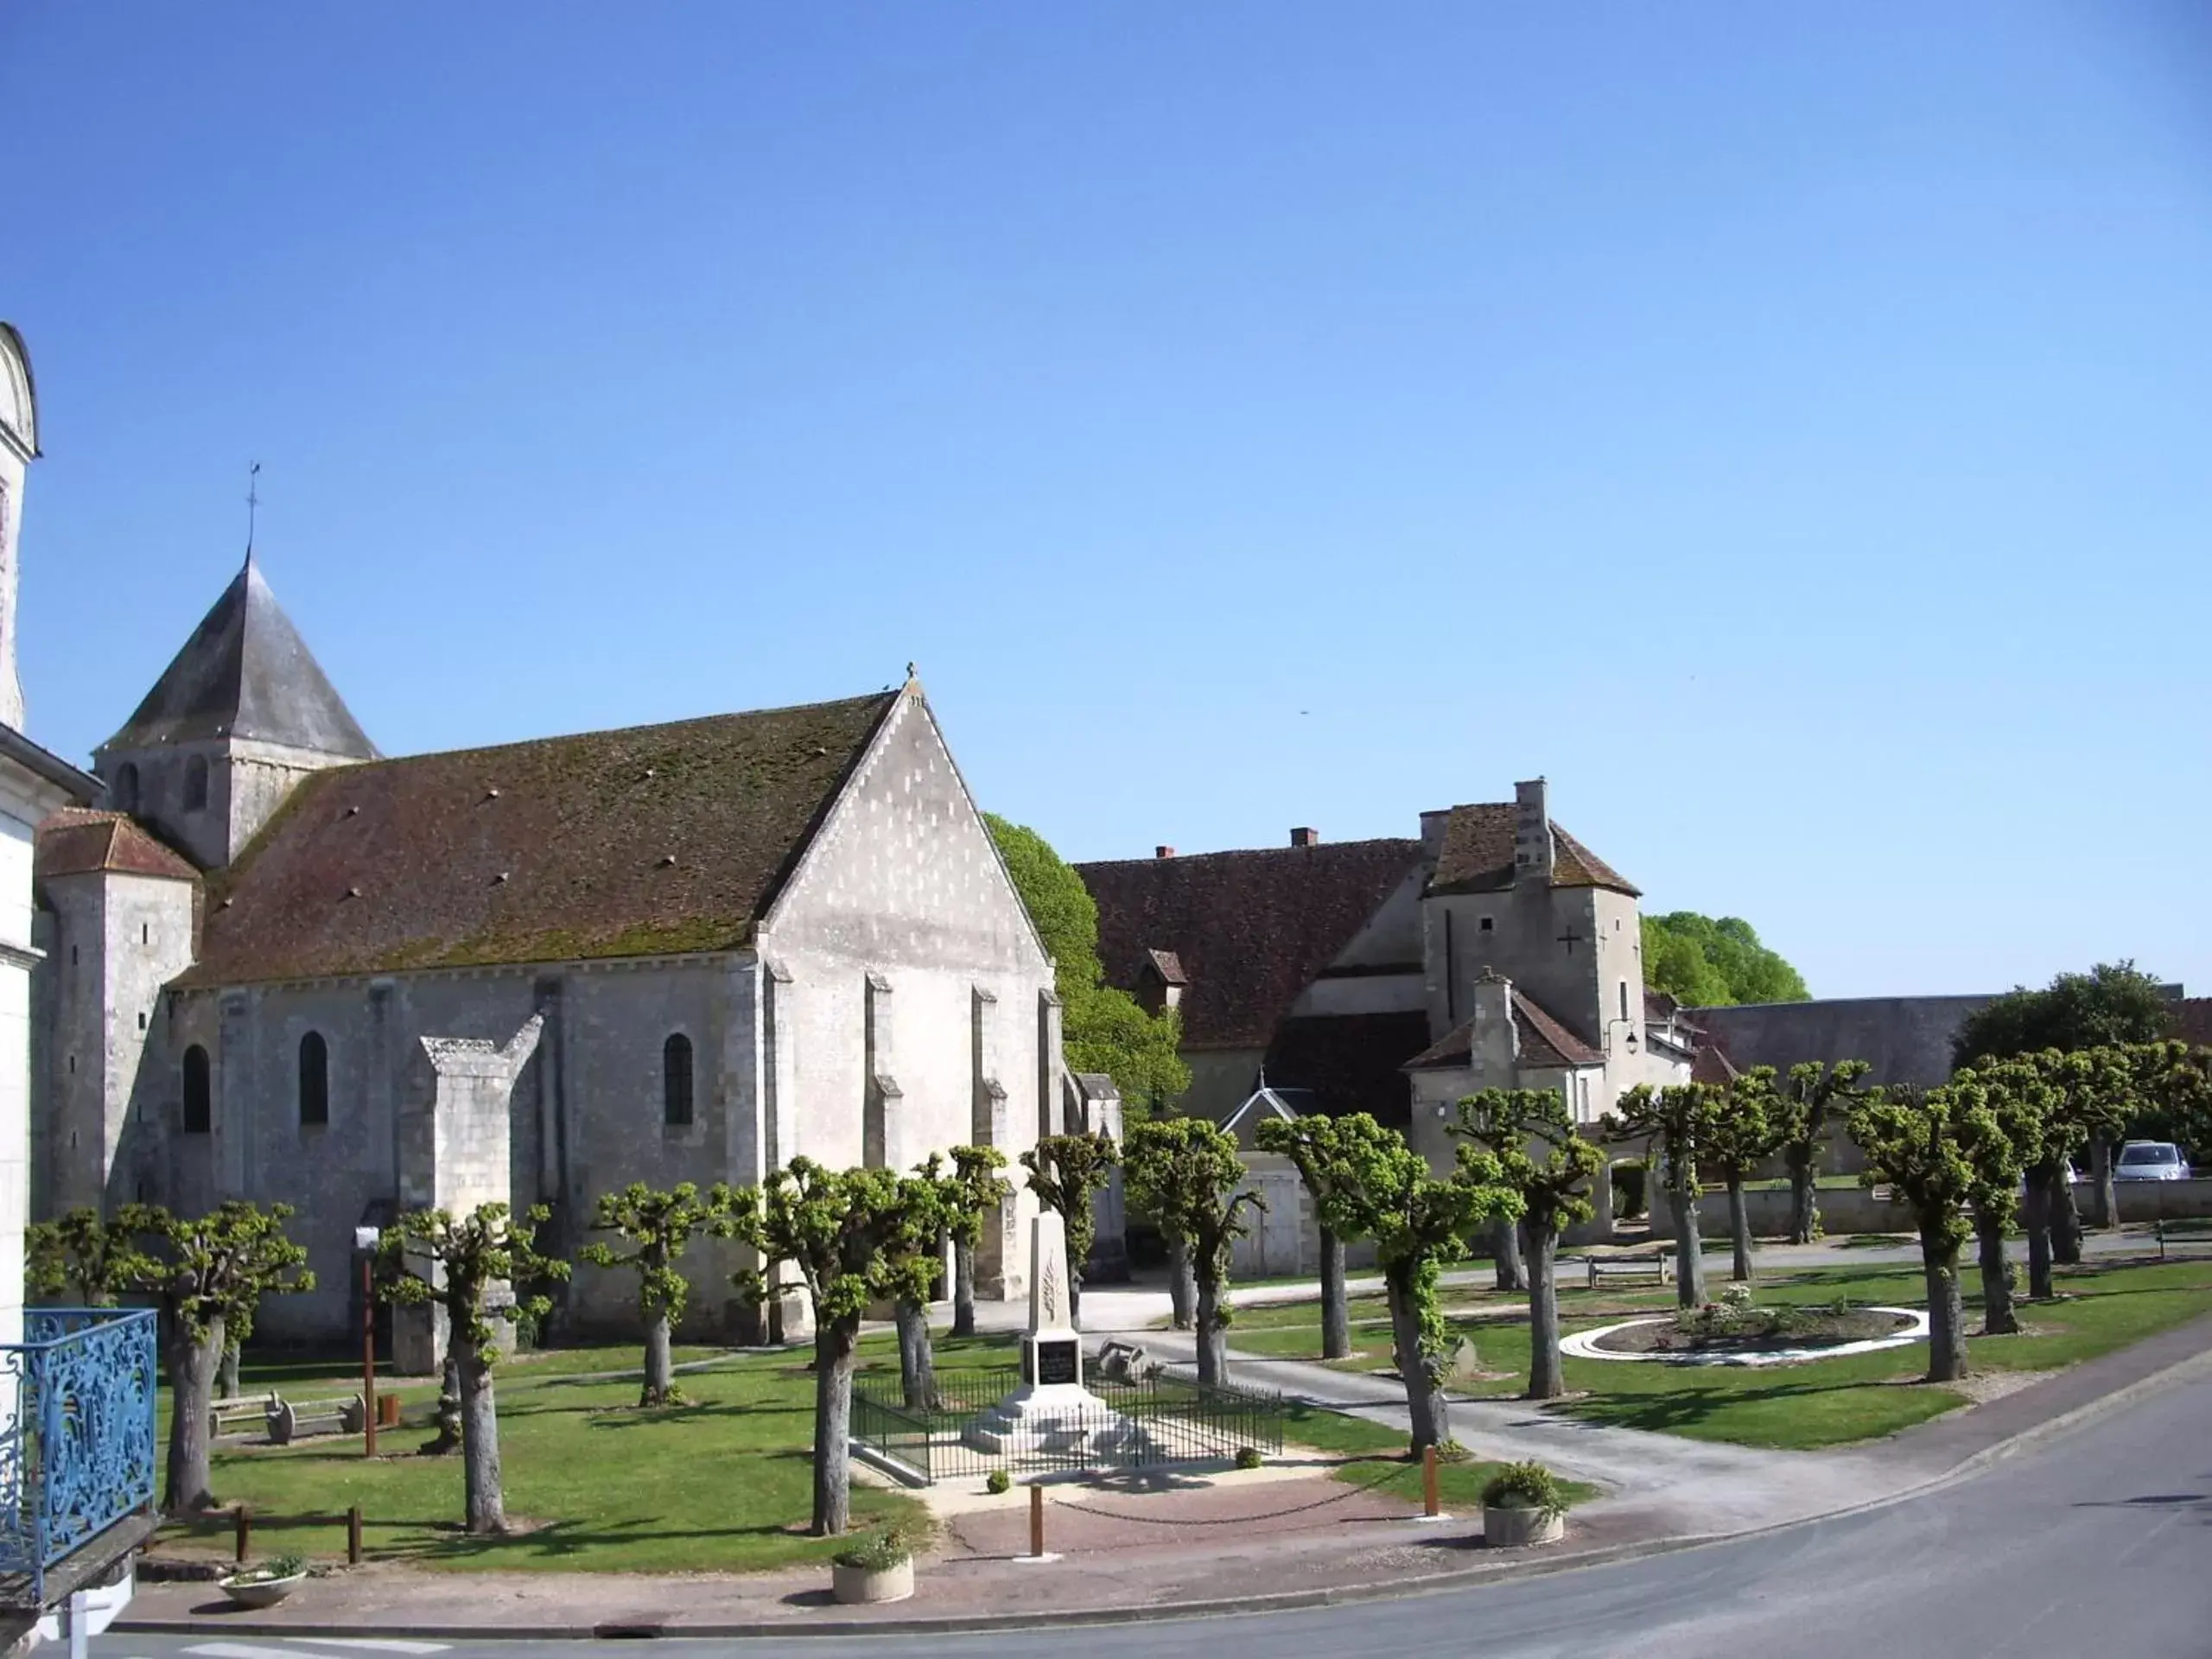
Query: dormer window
{"points": [[125, 788], [195, 784]]}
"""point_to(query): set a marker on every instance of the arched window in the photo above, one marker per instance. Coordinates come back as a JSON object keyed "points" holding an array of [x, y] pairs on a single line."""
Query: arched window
{"points": [[676, 1080], [314, 1079], [198, 1110], [195, 784], [126, 788]]}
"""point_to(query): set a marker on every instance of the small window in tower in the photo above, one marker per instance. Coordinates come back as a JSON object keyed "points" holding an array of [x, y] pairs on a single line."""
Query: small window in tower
{"points": [[73, 1065], [72, 956], [1488, 925], [195, 784], [142, 1018], [676, 1081], [145, 932], [125, 789], [1623, 999], [314, 1079], [198, 1102]]}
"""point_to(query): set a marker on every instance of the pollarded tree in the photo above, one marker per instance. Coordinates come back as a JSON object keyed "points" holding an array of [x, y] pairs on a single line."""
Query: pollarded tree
{"points": [[1523, 1140], [909, 1311], [208, 1276], [1812, 1096], [857, 1237], [2093, 1094], [1066, 1171], [1186, 1169], [1675, 1121], [1746, 1129], [1326, 1151], [2017, 1096], [1944, 1150], [658, 1227], [2173, 1088], [82, 1257], [474, 1269], [1418, 1223], [976, 1192]]}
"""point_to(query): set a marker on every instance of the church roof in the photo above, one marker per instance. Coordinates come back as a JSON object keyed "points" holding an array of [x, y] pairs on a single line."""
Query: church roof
{"points": [[654, 840], [1478, 855], [1545, 1044], [1248, 931], [246, 673], [1350, 1062], [77, 841]]}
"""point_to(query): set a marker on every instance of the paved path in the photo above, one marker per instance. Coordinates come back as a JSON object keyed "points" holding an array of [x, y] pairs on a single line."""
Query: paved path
{"points": [[2094, 1543]]}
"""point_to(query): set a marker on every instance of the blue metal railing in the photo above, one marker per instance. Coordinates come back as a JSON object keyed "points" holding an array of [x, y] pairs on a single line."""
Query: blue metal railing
{"points": [[76, 1433]]}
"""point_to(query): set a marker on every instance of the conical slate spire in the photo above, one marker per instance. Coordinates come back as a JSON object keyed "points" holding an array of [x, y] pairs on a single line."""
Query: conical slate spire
{"points": [[246, 673]]}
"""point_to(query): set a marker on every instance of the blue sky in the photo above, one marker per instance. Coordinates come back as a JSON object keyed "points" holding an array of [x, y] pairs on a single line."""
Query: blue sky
{"points": [[1786, 428]]}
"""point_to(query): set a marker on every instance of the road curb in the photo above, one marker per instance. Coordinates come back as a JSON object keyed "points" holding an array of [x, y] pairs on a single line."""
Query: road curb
{"points": [[1530, 1567]]}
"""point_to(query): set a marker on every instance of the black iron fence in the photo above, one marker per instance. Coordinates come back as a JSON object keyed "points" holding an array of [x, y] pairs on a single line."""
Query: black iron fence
{"points": [[1158, 1419]]}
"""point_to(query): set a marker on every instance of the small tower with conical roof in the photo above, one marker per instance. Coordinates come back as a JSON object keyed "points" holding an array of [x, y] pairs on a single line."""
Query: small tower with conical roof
{"points": [[240, 718]]}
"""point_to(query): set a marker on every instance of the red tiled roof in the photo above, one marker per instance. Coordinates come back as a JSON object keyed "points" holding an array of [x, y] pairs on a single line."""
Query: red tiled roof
{"points": [[1249, 929], [653, 840], [1545, 1043], [1168, 966], [2191, 1020], [1711, 1064], [1350, 1063], [1478, 855], [78, 841]]}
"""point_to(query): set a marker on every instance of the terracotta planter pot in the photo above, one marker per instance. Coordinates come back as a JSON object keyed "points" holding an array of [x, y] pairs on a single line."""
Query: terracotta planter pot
{"points": [[1511, 1526], [856, 1584], [261, 1592]]}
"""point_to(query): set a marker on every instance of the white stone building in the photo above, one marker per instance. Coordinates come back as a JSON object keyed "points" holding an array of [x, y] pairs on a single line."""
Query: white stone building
{"points": [[288, 968]]}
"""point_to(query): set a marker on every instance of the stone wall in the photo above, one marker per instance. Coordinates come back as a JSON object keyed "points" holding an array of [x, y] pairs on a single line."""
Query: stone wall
{"points": [[1847, 1209]]}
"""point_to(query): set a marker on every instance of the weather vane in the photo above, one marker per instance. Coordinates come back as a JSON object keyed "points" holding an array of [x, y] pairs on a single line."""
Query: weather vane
{"points": [[252, 504]]}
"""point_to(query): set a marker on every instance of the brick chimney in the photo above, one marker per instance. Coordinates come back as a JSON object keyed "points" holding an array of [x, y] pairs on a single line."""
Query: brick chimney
{"points": [[1163, 851], [1532, 833], [1304, 837]]}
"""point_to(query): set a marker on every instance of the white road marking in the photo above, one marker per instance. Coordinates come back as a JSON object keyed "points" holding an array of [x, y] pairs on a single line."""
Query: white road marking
{"points": [[376, 1644], [308, 1644], [240, 1650]]}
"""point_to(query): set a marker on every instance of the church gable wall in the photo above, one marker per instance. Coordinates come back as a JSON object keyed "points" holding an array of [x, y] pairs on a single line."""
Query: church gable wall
{"points": [[899, 916]]}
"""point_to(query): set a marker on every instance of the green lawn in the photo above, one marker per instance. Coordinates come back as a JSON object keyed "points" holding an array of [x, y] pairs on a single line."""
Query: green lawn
{"points": [[720, 1485], [1825, 1403]]}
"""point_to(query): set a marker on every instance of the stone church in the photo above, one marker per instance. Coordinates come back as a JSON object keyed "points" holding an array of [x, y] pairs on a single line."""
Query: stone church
{"points": [[282, 966], [1395, 975]]}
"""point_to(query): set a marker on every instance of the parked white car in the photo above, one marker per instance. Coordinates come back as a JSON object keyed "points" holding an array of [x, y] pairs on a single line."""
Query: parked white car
{"points": [[2151, 1160]]}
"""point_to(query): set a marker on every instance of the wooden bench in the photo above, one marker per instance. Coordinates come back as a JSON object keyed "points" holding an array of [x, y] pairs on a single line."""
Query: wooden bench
{"points": [[1604, 1269], [237, 1416], [289, 1419]]}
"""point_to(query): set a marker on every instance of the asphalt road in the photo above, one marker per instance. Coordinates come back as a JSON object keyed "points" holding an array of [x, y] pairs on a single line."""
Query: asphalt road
{"points": [[2099, 1543]]}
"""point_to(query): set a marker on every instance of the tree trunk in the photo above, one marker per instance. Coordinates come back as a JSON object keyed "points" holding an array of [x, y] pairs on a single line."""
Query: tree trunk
{"points": [[2038, 1217], [1213, 1335], [660, 1363], [1335, 1309], [1804, 1205], [1739, 1228], [1996, 1318], [1425, 1408], [2066, 1222], [226, 1380], [1947, 1336], [917, 1363], [963, 1287], [1547, 1379], [1182, 1285], [1505, 1251], [192, 1368], [448, 1438], [1690, 1250], [2105, 1209], [833, 1418], [479, 1443]]}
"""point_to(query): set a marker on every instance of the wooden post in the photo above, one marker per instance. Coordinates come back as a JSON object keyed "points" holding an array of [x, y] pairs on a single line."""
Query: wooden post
{"points": [[1430, 1503], [1036, 1520], [353, 1536], [245, 1527], [368, 1355]]}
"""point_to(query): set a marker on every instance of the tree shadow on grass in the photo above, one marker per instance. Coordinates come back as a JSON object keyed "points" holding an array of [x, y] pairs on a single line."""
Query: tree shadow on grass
{"points": [[1691, 1405]]}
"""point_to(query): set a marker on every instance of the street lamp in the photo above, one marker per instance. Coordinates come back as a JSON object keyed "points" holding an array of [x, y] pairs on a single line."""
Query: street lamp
{"points": [[365, 1241], [1630, 1024]]}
